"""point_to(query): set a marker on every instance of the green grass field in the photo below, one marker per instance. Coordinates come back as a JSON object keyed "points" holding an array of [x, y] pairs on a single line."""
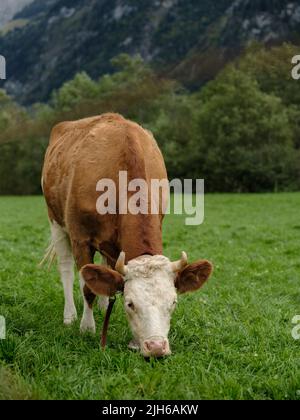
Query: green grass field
{"points": [[230, 340]]}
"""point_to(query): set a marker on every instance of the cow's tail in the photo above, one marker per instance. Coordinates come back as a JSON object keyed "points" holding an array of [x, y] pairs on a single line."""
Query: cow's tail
{"points": [[49, 256]]}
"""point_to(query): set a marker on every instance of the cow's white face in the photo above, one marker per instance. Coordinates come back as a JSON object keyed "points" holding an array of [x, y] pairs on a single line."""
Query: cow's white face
{"points": [[150, 298], [150, 285]]}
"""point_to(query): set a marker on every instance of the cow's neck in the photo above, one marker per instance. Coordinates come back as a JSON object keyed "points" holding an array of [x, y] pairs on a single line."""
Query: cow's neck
{"points": [[140, 235]]}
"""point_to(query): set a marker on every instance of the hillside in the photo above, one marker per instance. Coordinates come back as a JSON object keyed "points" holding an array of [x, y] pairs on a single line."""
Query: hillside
{"points": [[270, 22], [8, 8], [186, 40]]}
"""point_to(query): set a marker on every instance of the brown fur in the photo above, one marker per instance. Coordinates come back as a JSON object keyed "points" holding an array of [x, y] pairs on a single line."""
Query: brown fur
{"points": [[80, 154], [193, 276], [102, 280], [89, 296]]}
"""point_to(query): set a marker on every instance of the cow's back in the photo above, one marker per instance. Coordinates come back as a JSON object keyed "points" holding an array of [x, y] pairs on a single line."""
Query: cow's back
{"points": [[83, 152]]}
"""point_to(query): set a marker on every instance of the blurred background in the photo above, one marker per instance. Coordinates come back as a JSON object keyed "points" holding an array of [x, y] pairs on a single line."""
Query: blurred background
{"points": [[212, 80]]}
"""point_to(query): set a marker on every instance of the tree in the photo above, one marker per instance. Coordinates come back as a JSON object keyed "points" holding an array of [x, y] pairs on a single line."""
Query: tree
{"points": [[72, 93], [10, 113], [246, 137], [272, 68]]}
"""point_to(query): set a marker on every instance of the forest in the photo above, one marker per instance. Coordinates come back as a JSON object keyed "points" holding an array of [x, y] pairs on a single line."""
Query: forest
{"points": [[240, 132]]}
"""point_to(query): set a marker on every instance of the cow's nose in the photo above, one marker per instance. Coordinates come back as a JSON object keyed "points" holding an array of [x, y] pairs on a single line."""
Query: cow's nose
{"points": [[156, 348]]}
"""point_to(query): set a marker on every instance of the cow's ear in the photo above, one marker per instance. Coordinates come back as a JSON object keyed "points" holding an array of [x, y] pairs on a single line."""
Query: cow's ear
{"points": [[102, 280], [193, 276]]}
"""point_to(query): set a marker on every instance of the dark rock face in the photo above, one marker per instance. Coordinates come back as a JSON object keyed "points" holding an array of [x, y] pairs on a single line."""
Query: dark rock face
{"points": [[188, 40], [264, 21]]}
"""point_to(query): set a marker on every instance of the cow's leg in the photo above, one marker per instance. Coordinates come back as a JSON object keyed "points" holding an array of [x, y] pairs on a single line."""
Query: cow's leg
{"points": [[63, 251], [103, 302], [87, 320], [85, 255]]}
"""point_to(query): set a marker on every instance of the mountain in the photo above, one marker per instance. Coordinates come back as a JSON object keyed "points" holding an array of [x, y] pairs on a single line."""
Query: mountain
{"points": [[269, 22], [188, 40], [8, 8]]}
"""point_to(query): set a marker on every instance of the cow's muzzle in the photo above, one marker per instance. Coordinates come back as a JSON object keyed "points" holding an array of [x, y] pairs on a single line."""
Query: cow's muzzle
{"points": [[156, 347]]}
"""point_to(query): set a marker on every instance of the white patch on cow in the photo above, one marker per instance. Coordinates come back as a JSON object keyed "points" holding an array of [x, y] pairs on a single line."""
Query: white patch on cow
{"points": [[63, 251], [150, 298], [87, 322]]}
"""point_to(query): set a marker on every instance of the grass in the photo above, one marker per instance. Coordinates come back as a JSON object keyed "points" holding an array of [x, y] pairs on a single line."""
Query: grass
{"points": [[231, 340]]}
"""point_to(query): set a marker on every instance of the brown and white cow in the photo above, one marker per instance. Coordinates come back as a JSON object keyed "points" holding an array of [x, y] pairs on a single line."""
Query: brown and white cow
{"points": [[80, 154]]}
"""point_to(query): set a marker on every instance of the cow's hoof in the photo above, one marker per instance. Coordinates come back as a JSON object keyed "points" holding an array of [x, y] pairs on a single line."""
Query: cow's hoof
{"points": [[70, 321], [134, 345], [87, 326], [103, 303], [70, 317]]}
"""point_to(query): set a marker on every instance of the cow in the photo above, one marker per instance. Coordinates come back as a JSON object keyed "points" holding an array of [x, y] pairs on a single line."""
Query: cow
{"points": [[80, 153]]}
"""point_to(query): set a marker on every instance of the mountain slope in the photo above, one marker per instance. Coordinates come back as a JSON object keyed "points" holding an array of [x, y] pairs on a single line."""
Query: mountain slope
{"points": [[186, 40], [8, 8], [270, 22]]}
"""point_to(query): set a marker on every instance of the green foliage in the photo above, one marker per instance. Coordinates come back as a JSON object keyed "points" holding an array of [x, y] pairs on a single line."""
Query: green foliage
{"points": [[241, 132], [246, 139], [10, 112], [271, 68], [21, 166], [82, 87], [132, 90], [175, 128]]}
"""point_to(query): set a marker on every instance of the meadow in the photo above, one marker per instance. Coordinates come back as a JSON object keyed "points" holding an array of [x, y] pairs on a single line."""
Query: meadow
{"points": [[230, 340]]}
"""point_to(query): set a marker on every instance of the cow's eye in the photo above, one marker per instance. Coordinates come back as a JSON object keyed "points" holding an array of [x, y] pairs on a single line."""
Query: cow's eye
{"points": [[130, 305]]}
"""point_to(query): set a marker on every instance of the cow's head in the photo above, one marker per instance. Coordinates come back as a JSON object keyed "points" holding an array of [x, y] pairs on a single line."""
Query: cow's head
{"points": [[150, 285]]}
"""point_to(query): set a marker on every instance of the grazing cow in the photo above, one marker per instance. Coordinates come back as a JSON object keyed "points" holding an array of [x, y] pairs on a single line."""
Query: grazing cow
{"points": [[80, 154]]}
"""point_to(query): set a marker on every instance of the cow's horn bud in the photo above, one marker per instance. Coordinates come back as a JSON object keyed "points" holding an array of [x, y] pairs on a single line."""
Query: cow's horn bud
{"points": [[120, 264], [178, 265]]}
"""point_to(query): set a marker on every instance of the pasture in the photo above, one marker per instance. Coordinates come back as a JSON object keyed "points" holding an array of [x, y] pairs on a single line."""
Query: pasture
{"points": [[230, 340]]}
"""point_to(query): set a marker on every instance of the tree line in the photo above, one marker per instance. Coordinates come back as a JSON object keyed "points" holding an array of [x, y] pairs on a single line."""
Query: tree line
{"points": [[240, 132]]}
